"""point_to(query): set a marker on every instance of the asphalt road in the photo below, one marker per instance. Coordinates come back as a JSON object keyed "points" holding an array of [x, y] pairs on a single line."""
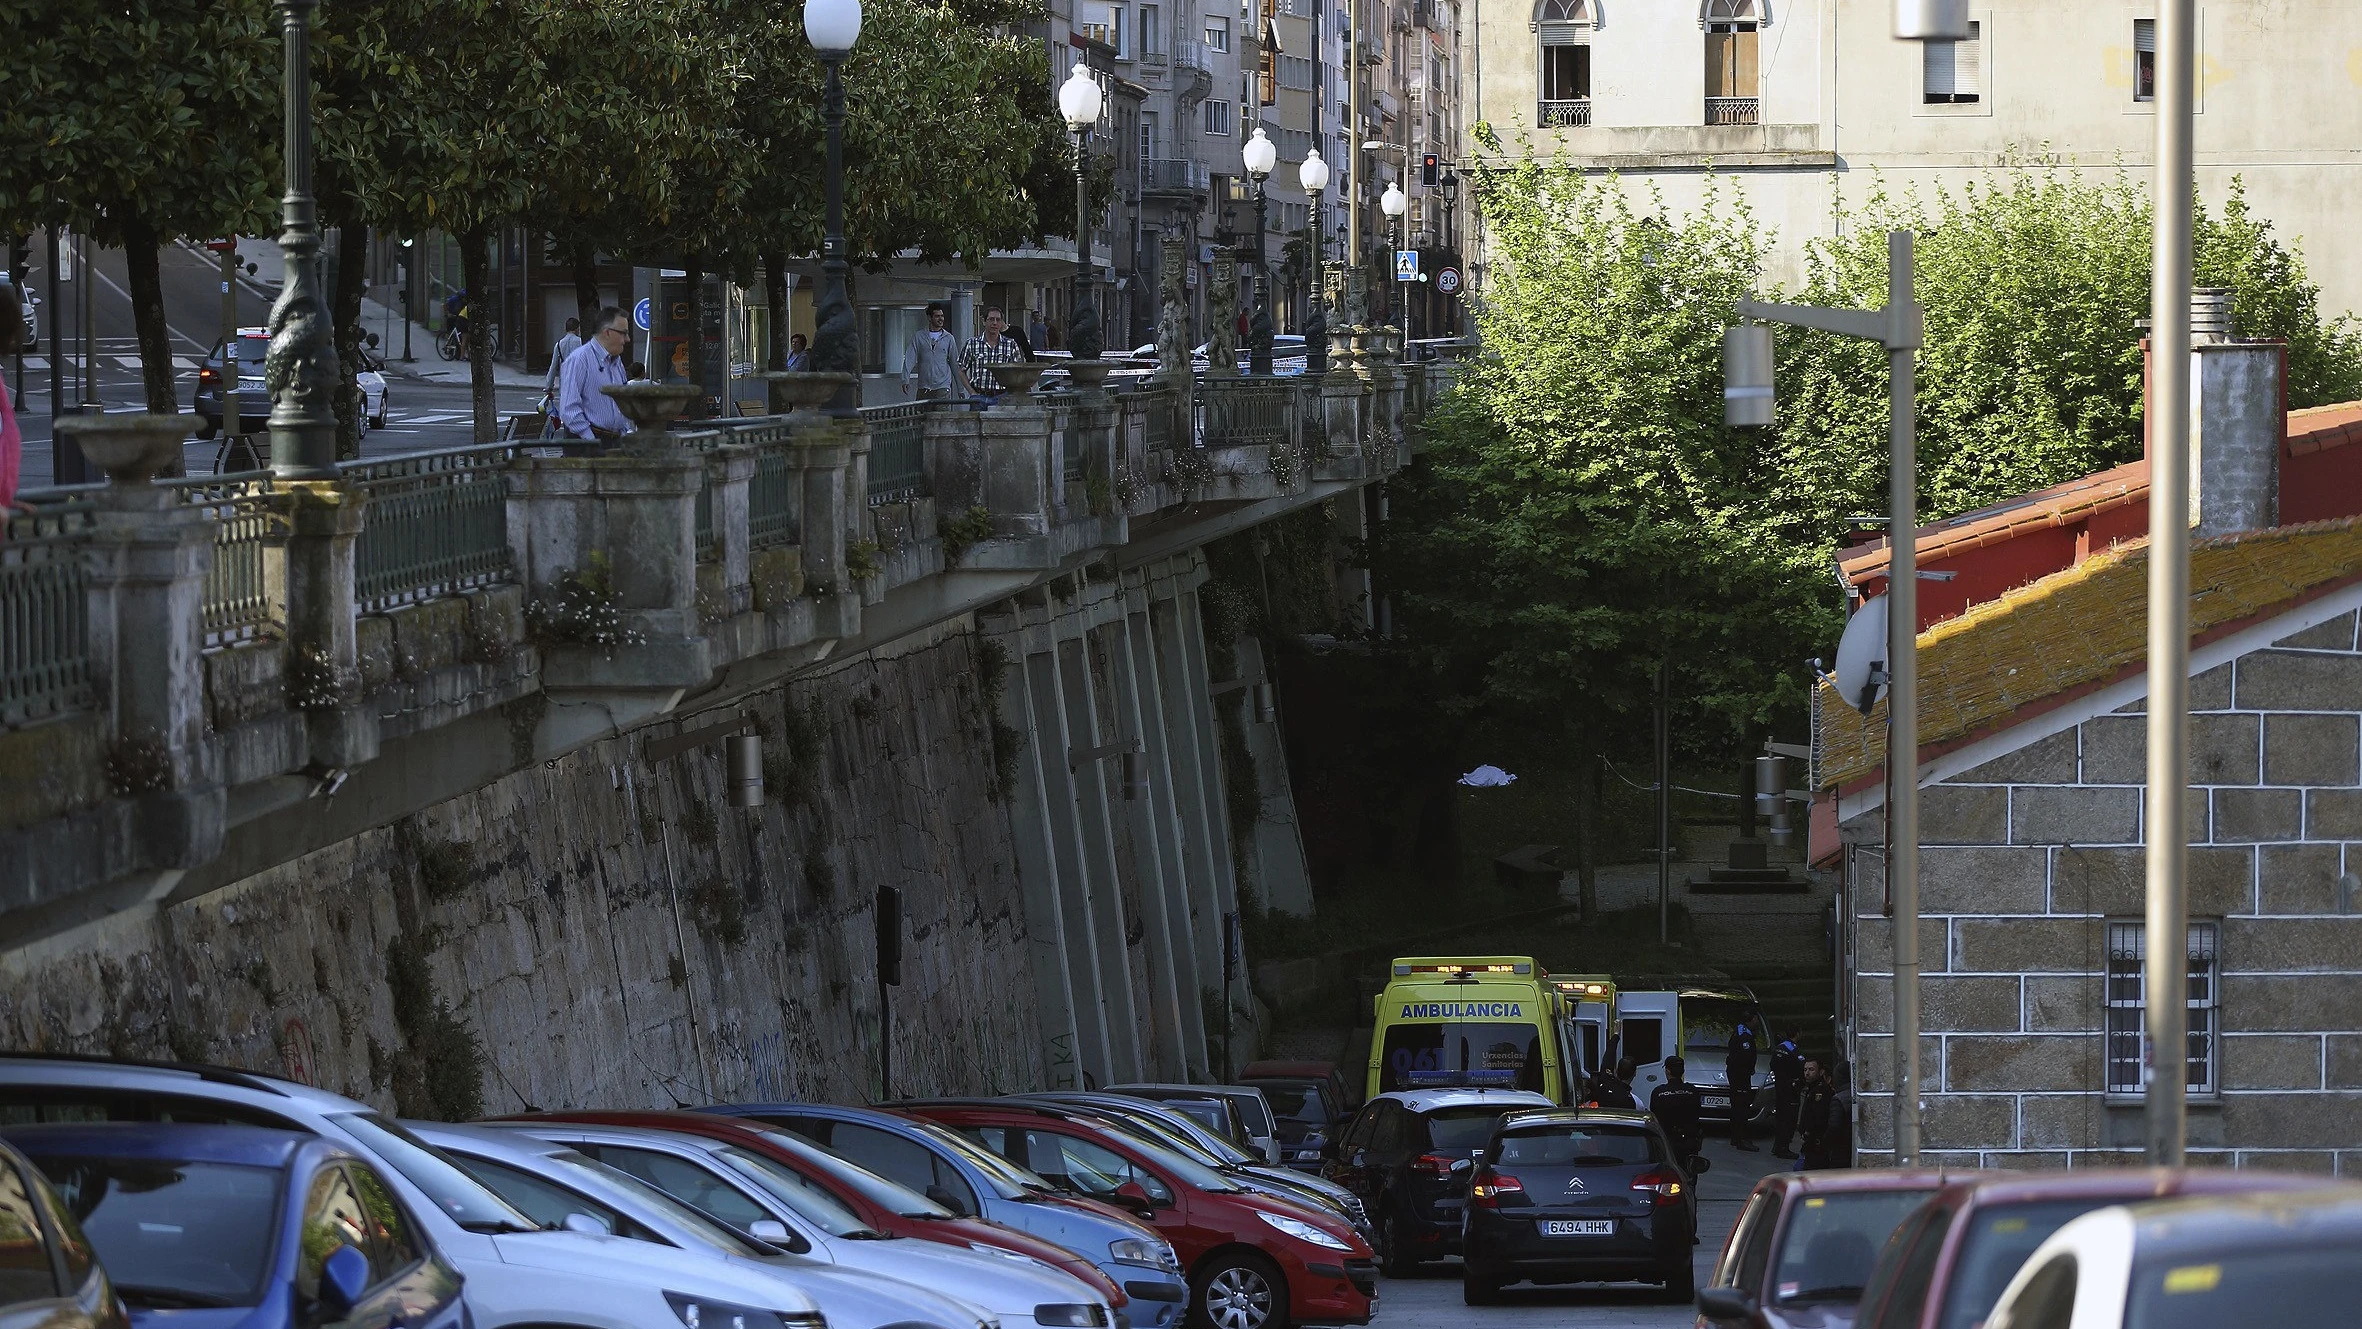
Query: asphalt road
{"points": [[1433, 1301], [427, 403]]}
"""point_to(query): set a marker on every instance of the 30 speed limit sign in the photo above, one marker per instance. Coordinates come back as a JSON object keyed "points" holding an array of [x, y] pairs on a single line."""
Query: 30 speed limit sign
{"points": [[1448, 281]]}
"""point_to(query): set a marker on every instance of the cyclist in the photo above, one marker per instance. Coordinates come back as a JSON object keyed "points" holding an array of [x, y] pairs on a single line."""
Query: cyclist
{"points": [[455, 309]]}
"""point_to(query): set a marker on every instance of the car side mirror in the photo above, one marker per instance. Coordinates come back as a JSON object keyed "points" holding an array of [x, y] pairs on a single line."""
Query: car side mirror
{"points": [[950, 1201], [344, 1276], [768, 1229], [1134, 1196], [1725, 1303], [589, 1225]]}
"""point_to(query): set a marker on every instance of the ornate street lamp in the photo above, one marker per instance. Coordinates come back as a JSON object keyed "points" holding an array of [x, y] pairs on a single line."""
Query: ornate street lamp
{"points": [[832, 26], [1079, 103], [301, 366], [1314, 176], [1260, 156], [1394, 203]]}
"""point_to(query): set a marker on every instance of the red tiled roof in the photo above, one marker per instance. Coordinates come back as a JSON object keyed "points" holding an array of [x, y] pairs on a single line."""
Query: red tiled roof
{"points": [[2059, 505]]}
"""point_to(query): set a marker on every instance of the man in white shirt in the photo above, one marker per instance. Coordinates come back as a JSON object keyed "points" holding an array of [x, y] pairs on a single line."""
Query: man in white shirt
{"points": [[584, 412]]}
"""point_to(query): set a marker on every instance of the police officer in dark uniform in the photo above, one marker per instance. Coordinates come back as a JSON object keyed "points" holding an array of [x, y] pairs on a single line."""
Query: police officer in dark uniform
{"points": [[1612, 1088], [1816, 1118], [1787, 1068], [1739, 1073], [1675, 1106]]}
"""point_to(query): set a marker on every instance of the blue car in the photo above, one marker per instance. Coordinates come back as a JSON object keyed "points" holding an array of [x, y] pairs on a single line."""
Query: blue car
{"points": [[239, 1227], [953, 1172]]}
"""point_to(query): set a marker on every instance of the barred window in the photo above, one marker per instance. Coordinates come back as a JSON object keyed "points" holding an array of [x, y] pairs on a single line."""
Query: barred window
{"points": [[2127, 1035]]}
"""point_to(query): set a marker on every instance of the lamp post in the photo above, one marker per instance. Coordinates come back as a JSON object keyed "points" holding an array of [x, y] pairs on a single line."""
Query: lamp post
{"points": [[1314, 176], [1079, 101], [302, 358], [1260, 157], [404, 269], [1394, 203], [832, 26]]}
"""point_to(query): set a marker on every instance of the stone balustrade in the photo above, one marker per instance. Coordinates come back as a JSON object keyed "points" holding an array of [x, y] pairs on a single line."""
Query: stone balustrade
{"points": [[199, 678]]}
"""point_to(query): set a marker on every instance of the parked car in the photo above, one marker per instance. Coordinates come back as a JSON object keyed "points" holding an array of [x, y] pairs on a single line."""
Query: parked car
{"points": [[253, 399], [1254, 1261], [50, 1278], [1803, 1247], [968, 1179], [2286, 1259], [1254, 1112], [1308, 1098], [1397, 1155], [559, 1185], [884, 1205], [1574, 1195], [517, 1273], [1164, 1124], [265, 1228], [1947, 1264]]}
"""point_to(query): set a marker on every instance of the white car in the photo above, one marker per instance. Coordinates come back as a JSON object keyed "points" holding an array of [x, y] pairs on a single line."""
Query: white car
{"points": [[372, 386], [554, 1183], [517, 1273], [2284, 1258], [746, 1191]]}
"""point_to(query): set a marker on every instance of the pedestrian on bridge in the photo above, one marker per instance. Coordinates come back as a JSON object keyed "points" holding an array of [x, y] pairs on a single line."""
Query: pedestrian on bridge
{"points": [[586, 413], [1787, 1067], [1675, 1106]]}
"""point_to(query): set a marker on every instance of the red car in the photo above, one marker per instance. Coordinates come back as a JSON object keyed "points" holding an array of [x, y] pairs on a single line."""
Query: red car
{"points": [[885, 1205], [1804, 1246], [1254, 1261], [1950, 1261]]}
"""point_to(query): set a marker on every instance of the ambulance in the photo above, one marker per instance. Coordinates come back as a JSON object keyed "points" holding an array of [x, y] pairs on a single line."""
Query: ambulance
{"points": [[1469, 1021], [1586, 1023]]}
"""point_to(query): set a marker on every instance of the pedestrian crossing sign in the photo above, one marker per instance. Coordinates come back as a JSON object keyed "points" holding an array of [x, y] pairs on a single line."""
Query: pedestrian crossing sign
{"points": [[1406, 265]]}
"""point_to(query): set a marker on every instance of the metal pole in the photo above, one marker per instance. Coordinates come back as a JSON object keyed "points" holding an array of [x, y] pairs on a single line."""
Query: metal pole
{"points": [[233, 420], [303, 350], [1084, 338], [57, 354], [1316, 319], [834, 350], [1902, 695], [86, 323], [1353, 136], [2165, 979], [1259, 328], [1664, 800]]}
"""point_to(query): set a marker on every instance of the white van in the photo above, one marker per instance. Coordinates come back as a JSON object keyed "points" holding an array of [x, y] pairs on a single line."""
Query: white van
{"points": [[1697, 1023]]}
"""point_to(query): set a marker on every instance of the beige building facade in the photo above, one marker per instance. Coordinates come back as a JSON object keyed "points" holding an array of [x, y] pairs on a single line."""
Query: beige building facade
{"points": [[1804, 101]]}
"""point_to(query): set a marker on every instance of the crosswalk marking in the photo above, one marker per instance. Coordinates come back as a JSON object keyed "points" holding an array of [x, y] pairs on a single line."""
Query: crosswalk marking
{"points": [[39, 364]]}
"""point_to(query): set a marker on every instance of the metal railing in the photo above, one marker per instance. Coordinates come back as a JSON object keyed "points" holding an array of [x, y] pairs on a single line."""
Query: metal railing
{"points": [[1569, 114], [897, 451], [1173, 175], [238, 605], [1189, 54], [45, 666], [437, 523], [1243, 412], [1733, 110], [708, 548]]}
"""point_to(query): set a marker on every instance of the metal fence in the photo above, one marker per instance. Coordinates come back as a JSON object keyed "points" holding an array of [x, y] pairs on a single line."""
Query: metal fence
{"points": [[1732, 110], [1243, 412], [897, 451], [437, 523], [45, 666], [1570, 113], [238, 603]]}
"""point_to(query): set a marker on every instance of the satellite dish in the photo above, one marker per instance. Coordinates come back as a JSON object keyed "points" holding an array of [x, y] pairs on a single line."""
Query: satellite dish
{"points": [[1861, 657]]}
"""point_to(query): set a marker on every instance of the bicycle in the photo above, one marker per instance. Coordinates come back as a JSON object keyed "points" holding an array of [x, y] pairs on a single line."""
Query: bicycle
{"points": [[452, 345]]}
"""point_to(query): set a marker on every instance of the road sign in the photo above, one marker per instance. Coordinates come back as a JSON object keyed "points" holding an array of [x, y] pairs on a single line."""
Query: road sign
{"points": [[1406, 265], [1448, 281], [640, 314], [222, 246]]}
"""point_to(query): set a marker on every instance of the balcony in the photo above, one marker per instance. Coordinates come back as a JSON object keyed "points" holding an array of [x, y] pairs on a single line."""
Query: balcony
{"points": [[1171, 177], [1730, 111], [1192, 55], [1569, 114]]}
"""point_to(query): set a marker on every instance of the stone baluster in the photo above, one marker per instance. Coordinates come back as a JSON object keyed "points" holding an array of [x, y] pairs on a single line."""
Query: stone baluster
{"points": [[955, 461], [1017, 466], [730, 471]]}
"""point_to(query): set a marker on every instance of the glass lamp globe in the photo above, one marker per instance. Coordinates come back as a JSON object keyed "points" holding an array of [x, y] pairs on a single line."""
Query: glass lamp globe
{"points": [[832, 25], [1078, 99], [1260, 154], [1394, 202], [1314, 174]]}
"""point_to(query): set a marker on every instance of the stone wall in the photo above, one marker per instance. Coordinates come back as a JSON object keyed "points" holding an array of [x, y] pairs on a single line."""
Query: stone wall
{"points": [[523, 945], [2028, 856]]}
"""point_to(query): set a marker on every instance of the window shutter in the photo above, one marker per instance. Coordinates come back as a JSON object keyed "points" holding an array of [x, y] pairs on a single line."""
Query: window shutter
{"points": [[1720, 59], [1559, 33], [2144, 35], [1968, 71], [1936, 62], [1744, 73]]}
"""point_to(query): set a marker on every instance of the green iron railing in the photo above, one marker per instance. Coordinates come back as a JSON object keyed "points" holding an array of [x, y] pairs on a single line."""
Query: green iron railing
{"points": [[897, 451], [238, 604], [1243, 412], [437, 523], [45, 666]]}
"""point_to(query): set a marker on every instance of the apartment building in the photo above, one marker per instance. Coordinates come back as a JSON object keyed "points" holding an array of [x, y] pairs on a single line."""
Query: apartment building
{"points": [[1795, 100]]}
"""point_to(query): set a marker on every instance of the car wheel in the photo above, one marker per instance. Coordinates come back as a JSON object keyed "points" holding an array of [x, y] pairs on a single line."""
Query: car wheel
{"points": [[377, 421], [1479, 1289], [1394, 1256], [1240, 1290], [1681, 1285]]}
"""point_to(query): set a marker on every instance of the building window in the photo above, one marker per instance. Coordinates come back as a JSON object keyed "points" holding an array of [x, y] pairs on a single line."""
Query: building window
{"points": [[1731, 96], [1563, 27], [1152, 36], [2144, 59], [1295, 73], [1955, 71], [2127, 1054], [1218, 32], [1218, 117]]}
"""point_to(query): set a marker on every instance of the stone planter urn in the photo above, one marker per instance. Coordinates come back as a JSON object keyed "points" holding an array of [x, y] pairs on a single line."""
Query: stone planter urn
{"points": [[1018, 379], [132, 448], [1090, 373], [800, 391], [651, 406]]}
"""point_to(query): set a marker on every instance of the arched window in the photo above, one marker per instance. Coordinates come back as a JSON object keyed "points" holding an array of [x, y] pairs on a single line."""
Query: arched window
{"points": [[1731, 97], [1563, 29]]}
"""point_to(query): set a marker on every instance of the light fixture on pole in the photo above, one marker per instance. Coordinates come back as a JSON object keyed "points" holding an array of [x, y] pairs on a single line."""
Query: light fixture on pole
{"points": [[1314, 176], [1079, 101], [1394, 203], [303, 419], [832, 26], [1260, 156]]}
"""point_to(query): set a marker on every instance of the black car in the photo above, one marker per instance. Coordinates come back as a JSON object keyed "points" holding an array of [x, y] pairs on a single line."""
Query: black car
{"points": [[1407, 1154], [1578, 1195], [254, 400]]}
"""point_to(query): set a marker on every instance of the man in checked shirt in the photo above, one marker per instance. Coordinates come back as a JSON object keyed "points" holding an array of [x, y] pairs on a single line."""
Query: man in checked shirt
{"points": [[990, 349]]}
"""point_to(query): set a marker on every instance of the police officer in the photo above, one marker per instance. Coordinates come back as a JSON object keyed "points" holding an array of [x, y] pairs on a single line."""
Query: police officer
{"points": [[1738, 1070], [1612, 1088], [1816, 1117], [1675, 1106], [1787, 1068]]}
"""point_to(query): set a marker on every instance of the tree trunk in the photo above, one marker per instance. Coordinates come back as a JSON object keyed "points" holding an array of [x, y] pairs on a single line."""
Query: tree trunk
{"points": [[586, 285], [775, 298], [352, 278], [1588, 791], [695, 340], [475, 266], [147, 314]]}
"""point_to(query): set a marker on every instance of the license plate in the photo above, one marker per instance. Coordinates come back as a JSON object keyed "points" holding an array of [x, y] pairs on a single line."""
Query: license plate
{"points": [[1714, 1100], [1579, 1227]]}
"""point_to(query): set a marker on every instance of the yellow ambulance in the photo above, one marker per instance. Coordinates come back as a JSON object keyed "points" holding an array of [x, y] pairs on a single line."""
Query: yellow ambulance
{"points": [[1468, 1021]]}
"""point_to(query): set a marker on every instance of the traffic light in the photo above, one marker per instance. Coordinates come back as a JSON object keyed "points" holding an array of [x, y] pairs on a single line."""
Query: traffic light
{"points": [[1430, 170]]}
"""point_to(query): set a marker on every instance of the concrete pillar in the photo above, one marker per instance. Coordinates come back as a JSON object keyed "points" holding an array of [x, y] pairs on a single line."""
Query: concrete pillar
{"points": [[324, 523], [857, 524], [1095, 798], [1190, 710], [1017, 462], [1157, 832], [1048, 742], [826, 452], [955, 461], [729, 470], [1038, 877], [634, 513], [149, 554], [1282, 881]]}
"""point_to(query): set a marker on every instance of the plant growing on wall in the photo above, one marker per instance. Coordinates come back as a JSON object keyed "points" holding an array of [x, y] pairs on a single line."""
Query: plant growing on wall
{"points": [[581, 609], [964, 532]]}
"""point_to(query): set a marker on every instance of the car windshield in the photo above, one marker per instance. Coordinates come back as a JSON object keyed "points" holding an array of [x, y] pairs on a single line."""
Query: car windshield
{"points": [[1832, 1243], [652, 1200], [1252, 1110], [812, 1202], [1463, 1130], [1427, 1056], [1009, 1180], [2306, 1285], [1579, 1146], [892, 1196], [1706, 1025], [1157, 1131], [461, 1197], [252, 349], [1298, 1101], [1999, 1239], [174, 1234]]}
